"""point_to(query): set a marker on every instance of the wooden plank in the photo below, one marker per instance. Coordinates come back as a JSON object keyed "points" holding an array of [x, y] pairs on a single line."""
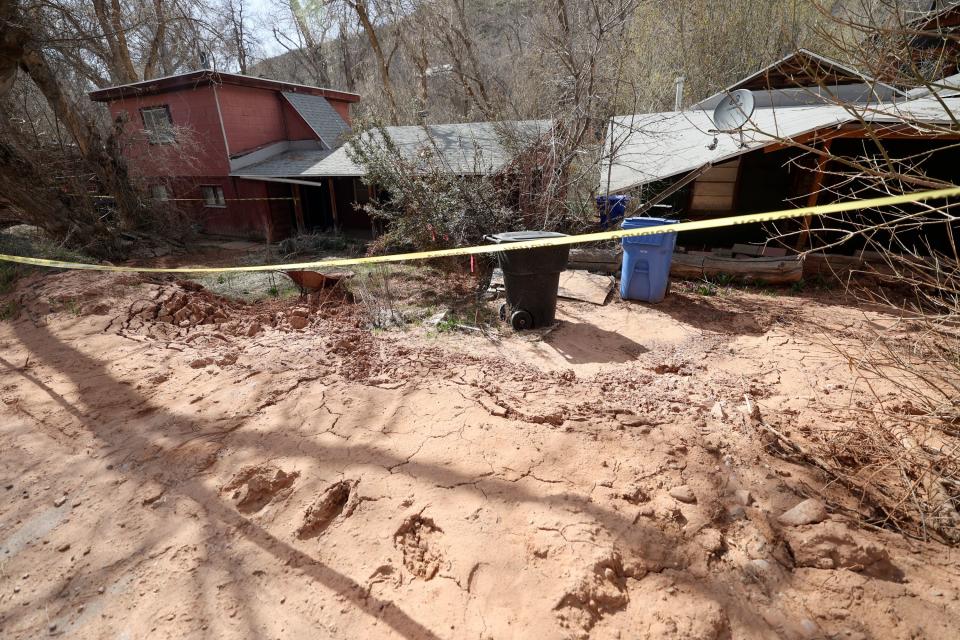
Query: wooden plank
{"points": [[298, 209], [333, 204], [814, 194], [587, 287], [748, 249], [770, 270], [710, 203], [825, 264], [724, 189], [719, 174], [595, 259]]}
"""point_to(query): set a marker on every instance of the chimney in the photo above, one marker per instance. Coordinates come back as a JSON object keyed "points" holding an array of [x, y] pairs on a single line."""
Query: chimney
{"points": [[678, 96]]}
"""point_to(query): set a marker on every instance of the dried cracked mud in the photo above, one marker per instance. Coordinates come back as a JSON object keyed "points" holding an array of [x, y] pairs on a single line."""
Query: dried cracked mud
{"points": [[176, 465]]}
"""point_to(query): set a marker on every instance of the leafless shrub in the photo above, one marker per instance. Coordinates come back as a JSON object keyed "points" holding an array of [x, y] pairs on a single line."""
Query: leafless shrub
{"points": [[899, 451], [371, 289]]}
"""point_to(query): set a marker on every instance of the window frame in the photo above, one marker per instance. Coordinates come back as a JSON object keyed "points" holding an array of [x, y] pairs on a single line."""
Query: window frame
{"points": [[218, 201], [155, 135]]}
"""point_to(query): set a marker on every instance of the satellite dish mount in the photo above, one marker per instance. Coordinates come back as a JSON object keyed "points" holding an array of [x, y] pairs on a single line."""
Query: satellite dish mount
{"points": [[733, 112]]}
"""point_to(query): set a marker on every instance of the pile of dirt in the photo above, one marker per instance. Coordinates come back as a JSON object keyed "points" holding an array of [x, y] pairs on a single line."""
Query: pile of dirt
{"points": [[315, 478]]}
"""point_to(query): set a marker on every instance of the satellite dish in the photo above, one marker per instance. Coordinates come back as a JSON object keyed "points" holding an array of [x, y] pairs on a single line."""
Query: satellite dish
{"points": [[734, 110]]}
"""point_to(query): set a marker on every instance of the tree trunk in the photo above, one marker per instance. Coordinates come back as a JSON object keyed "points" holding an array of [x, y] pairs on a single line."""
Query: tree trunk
{"points": [[363, 15], [28, 189], [153, 57], [105, 159], [346, 60]]}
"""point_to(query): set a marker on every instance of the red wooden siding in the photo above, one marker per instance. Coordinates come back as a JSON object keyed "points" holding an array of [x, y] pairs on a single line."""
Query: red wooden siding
{"points": [[297, 128], [252, 117], [199, 149]]}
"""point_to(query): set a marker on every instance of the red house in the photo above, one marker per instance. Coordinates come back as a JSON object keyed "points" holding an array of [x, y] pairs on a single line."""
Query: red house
{"points": [[186, 134]]}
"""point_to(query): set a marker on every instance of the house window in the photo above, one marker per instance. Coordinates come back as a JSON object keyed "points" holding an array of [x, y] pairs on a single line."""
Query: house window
{"points": [[158, 124], [160, 192], [213, 196]]}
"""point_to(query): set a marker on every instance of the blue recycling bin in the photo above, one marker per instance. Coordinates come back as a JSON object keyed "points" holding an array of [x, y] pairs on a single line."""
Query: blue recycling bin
{"points": [[611, 209], [646, 261]]}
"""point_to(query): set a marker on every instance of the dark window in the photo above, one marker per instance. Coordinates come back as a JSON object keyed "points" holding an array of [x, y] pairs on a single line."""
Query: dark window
{"points": [[213, 196], [160, 192], [158, 124]]}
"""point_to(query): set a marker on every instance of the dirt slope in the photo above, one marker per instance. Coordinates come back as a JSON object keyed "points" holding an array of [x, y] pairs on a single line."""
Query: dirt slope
{"points": [[174, 465]]}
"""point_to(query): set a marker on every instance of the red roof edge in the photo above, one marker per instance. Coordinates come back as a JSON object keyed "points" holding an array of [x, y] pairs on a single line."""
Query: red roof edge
{"points": [[206, 76]]}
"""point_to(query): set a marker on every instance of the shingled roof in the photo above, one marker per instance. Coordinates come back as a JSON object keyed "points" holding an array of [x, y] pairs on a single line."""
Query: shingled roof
{"points": [[322, 118], [475, 148]]}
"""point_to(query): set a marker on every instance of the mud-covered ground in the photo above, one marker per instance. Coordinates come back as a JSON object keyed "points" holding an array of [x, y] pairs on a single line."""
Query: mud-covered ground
{"points": [[176, 465]]}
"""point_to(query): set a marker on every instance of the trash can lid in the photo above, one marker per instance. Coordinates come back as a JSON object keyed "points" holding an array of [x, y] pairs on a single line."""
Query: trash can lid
{"points": [[522, 236], [636, 223]]}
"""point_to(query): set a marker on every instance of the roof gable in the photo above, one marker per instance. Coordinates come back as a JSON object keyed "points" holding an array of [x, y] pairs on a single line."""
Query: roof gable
{"points": [[805, 77]]}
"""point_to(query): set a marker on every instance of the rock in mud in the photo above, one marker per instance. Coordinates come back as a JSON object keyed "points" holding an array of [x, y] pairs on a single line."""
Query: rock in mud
{"points": [[598, 592], [684, 494], [809, 511], [833, 545], [298, 322], [743, 497], [712, 541], [718, 412], [630, 420]]}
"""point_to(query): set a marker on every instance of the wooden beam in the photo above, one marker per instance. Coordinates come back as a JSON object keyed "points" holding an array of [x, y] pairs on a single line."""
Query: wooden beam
{"points": [[298, 209], [333, 204], [814, 193], [857, 131], [769, 270]]}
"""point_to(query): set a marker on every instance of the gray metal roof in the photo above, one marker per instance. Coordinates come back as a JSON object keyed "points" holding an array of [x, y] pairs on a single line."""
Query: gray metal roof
{"points": [[646, 147], [476, 148], [867, 90], [322, 118]]}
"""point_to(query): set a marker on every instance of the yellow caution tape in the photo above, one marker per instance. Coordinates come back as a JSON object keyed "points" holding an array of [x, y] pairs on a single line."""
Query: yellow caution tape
{"points": [[820, 210]]}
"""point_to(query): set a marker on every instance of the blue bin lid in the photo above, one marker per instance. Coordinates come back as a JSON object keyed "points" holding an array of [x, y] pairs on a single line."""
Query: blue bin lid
{"points": [[637, 223], [602, 199], [522, 236]]}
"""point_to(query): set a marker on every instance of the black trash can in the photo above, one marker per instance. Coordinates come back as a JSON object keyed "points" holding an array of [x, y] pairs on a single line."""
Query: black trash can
{"points": [[531, 278]]}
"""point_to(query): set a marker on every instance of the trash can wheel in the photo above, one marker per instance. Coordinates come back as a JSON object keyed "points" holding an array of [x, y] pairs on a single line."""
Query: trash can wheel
{"points": [[503, 312], [521, 320]]}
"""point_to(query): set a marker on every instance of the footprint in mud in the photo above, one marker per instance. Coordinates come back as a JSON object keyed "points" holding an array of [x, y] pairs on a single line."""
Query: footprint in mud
{"points": [[599, 592], [417, 540], [325, 510], [256, 486]]}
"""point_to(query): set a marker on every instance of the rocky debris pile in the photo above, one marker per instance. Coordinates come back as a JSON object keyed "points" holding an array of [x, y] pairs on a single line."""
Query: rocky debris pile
{"points": [[832, 545], [185, 306]]}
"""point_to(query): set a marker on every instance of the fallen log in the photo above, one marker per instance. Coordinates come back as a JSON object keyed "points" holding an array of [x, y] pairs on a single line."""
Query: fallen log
{"points": [[595, 259], [827, 264], [784, 270]]}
